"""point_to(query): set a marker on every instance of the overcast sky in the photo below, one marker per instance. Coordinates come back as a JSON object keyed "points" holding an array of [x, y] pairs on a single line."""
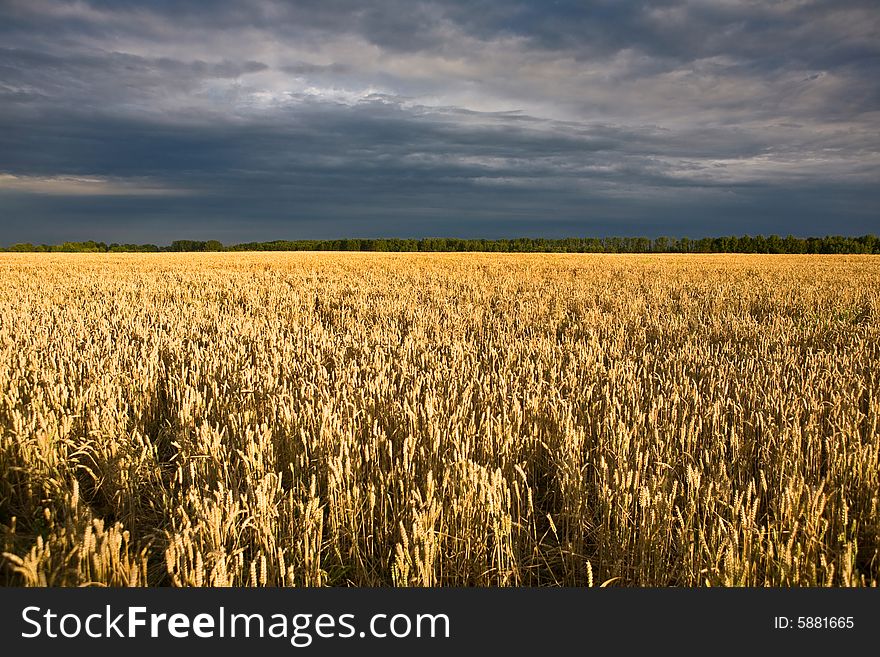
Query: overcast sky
{"points": [[249, 120]]}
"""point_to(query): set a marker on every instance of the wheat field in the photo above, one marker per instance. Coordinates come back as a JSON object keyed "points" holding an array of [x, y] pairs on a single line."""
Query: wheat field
{"points": [[439, 420]]}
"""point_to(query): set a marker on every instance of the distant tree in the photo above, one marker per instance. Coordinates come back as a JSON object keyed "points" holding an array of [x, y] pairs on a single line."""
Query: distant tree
{"points": [[661, 245], [871, 243], [775, 244], [724, 244], [642, 245], [186, 245], [703, 245]]}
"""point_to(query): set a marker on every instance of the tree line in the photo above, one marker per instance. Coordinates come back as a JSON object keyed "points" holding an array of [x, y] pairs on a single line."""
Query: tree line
{"points": [[729, 244]]}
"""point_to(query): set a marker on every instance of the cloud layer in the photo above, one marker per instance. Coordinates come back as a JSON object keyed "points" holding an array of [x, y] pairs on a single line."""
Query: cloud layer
{"points": [[260, 120]]}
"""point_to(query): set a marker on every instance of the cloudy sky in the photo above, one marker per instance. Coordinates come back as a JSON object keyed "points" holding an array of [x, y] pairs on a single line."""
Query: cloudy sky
{"points": [[246, 120]]}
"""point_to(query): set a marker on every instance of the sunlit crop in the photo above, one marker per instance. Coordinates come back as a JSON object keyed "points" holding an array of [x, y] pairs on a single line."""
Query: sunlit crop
{"points": [[439, 419]]}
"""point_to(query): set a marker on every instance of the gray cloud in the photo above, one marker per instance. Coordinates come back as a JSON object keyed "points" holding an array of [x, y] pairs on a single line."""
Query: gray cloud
{"points": [[259, 120]]}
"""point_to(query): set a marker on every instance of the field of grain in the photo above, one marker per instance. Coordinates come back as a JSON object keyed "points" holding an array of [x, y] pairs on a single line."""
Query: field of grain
{"points": [[439, 419]]}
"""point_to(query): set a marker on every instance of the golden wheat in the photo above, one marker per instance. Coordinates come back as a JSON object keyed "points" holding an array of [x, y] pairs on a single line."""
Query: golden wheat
{"points": [[414, 419]]}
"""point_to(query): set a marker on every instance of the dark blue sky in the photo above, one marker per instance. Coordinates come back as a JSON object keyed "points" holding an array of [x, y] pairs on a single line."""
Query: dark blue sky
{"points": [[249, 120]]}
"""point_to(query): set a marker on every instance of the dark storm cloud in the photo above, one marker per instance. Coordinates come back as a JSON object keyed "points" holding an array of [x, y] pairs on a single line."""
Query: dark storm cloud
{"points": [[257, 120]]}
